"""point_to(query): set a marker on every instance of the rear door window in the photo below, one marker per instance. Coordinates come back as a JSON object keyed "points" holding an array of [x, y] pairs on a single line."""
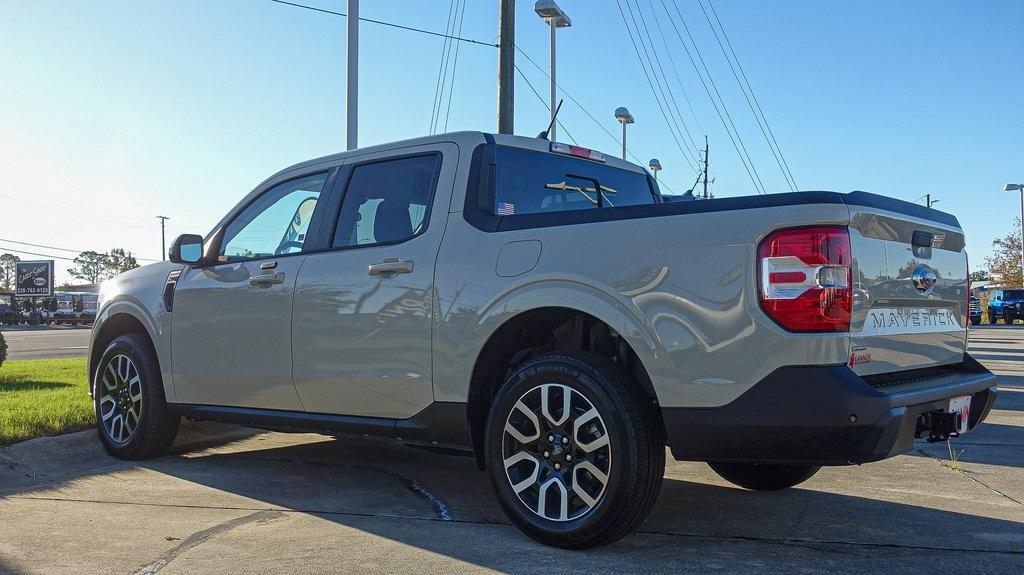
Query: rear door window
{"points": [[532, 182], [387, 202]]}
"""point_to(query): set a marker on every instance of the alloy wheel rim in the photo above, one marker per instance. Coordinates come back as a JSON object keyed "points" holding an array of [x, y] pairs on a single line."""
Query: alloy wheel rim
{"points": [[120, 404], [556, 452]]}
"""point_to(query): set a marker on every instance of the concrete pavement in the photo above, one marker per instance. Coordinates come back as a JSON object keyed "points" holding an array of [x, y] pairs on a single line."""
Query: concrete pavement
{"points": [[230, 500], [42, 342]]}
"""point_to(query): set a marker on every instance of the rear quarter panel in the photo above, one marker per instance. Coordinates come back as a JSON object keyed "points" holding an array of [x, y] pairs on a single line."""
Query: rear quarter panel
{"points": [[679, 288]]}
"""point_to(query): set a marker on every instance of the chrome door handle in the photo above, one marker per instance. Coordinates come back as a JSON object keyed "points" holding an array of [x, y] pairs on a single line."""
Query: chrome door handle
{"points": [[390, 266], [267, 279]]}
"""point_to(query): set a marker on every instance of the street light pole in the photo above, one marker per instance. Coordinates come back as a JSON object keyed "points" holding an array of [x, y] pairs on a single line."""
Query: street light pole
{"points": [[352, 78], [551, 33], [624, 117], [655, 166], [1020, 188], [555, 18]]}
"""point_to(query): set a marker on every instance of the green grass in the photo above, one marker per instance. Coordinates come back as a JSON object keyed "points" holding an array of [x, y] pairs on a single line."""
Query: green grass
{"points": [[43, 397]]}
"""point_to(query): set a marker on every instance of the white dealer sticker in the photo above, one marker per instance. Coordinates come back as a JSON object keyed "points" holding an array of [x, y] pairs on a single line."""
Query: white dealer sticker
{"points": [[890, 321]]}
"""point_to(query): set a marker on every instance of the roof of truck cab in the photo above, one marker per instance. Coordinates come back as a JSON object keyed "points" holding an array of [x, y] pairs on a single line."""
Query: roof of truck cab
{"points": [[464, 139]]}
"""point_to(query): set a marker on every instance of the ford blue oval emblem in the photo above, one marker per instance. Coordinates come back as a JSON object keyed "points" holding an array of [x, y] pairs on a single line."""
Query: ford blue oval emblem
{"points": [[924, 279]]}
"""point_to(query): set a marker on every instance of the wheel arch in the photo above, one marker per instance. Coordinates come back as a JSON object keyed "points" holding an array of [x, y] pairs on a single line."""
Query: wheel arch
{"points": [[118, 319], [555, 323]]}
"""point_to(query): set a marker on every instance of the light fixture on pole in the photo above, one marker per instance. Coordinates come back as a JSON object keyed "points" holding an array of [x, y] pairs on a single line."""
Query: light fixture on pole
{"points": [[655, 166], [624, 117], [556, 18], [1019, 188]]}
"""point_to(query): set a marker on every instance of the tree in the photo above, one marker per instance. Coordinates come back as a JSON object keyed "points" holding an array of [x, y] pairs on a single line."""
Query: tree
{"points": [[90, 266], [980, 276], [1005, 259], [120, 261], [7, 270]]}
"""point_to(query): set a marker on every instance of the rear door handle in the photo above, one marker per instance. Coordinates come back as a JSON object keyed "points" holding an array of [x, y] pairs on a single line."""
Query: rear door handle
{"points": [[390, 266], [267, 279]]}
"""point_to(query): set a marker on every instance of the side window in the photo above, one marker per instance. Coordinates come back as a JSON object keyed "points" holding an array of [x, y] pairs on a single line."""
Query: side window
{"points": [[276, 223], [531, 182], [387, 201]]}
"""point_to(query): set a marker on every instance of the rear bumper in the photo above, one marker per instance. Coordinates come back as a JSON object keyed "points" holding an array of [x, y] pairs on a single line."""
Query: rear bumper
{"points": [[825, 415]]}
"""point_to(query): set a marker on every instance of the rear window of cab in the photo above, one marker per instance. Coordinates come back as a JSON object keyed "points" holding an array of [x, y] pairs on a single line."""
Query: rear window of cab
{"points": [[532, 182]]}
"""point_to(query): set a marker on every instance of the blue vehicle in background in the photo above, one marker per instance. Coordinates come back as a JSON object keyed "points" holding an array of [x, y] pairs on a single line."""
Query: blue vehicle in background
{"points": [[1007, 304]]}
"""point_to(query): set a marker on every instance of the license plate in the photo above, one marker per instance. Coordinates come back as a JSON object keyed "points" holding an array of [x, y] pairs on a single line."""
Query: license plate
{"points": [[961, 405]]}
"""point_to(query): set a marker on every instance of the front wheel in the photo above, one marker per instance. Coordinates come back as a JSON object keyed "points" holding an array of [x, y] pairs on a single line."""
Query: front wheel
{"points": [[992, 317], [573, 450], [764, 476], [131, 410], [1007, 318]]}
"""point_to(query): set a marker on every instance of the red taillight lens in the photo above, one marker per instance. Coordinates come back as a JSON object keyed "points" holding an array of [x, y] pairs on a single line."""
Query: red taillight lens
{"points": [[806, 278]]}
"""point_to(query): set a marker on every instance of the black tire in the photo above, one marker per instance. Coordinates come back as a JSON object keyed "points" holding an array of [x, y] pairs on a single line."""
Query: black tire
{"points": [[634, 462], [155, 428], [764, 476], [992, 318], [1007, 318], [975, 320]]}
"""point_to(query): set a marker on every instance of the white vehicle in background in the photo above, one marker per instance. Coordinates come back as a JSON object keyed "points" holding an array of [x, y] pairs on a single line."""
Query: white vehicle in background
{"points": [[74, 307]]}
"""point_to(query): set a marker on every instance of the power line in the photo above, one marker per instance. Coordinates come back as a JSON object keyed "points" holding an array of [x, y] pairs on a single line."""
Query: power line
{"points": [[725, 108], [583, 108], [544, 103], [744, 159], [455, 64], [46, 247], [772, 144], [390, 24], [441, 66], [654, 92], [6, 249], [668, 88], [675, 71], [756, 103]]}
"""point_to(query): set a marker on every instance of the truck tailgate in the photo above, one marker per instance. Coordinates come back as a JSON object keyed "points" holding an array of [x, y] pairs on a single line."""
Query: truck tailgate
{"points": [[909, 308]]}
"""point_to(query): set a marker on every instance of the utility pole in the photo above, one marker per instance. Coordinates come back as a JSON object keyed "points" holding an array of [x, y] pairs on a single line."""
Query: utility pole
{"points": [[352, 78], [506, 65], [928, 200], [706, 167], [163, 237]]}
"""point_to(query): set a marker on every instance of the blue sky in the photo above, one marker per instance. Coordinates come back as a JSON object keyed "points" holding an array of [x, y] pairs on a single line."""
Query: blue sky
{"points": [[114, 112]]}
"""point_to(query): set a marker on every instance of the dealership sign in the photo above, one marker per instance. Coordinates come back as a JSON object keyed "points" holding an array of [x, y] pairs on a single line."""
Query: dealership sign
{"points": [[34, 278]]}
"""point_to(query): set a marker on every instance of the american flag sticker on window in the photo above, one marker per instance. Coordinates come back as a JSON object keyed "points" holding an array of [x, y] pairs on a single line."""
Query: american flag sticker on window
{"points": [[505, 209]]}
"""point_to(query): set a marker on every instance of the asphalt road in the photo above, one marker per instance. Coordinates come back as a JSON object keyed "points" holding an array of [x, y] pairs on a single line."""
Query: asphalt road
{"points": [[230, 500], [40, 342]]}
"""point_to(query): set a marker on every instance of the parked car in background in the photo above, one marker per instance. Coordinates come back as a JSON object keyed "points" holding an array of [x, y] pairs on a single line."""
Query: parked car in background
{"points": [[1005, 304], [541, 306], [975, 310], [6, 308]]}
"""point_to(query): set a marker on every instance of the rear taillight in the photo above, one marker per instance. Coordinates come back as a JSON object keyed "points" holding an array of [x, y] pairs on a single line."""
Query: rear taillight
{"points": [[805, 278]]}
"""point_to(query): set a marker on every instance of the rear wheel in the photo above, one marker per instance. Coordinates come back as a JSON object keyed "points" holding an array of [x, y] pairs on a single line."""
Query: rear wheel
{"points": [[1007, 318], [764, 476], [131, 410], [573, 450]]}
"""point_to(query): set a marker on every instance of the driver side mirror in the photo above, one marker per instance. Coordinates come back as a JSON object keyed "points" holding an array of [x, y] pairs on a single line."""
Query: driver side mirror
{"points": [[186, 249]]}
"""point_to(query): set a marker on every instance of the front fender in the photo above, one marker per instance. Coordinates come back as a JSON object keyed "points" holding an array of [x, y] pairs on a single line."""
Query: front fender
{"points": [[138, 295]]}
